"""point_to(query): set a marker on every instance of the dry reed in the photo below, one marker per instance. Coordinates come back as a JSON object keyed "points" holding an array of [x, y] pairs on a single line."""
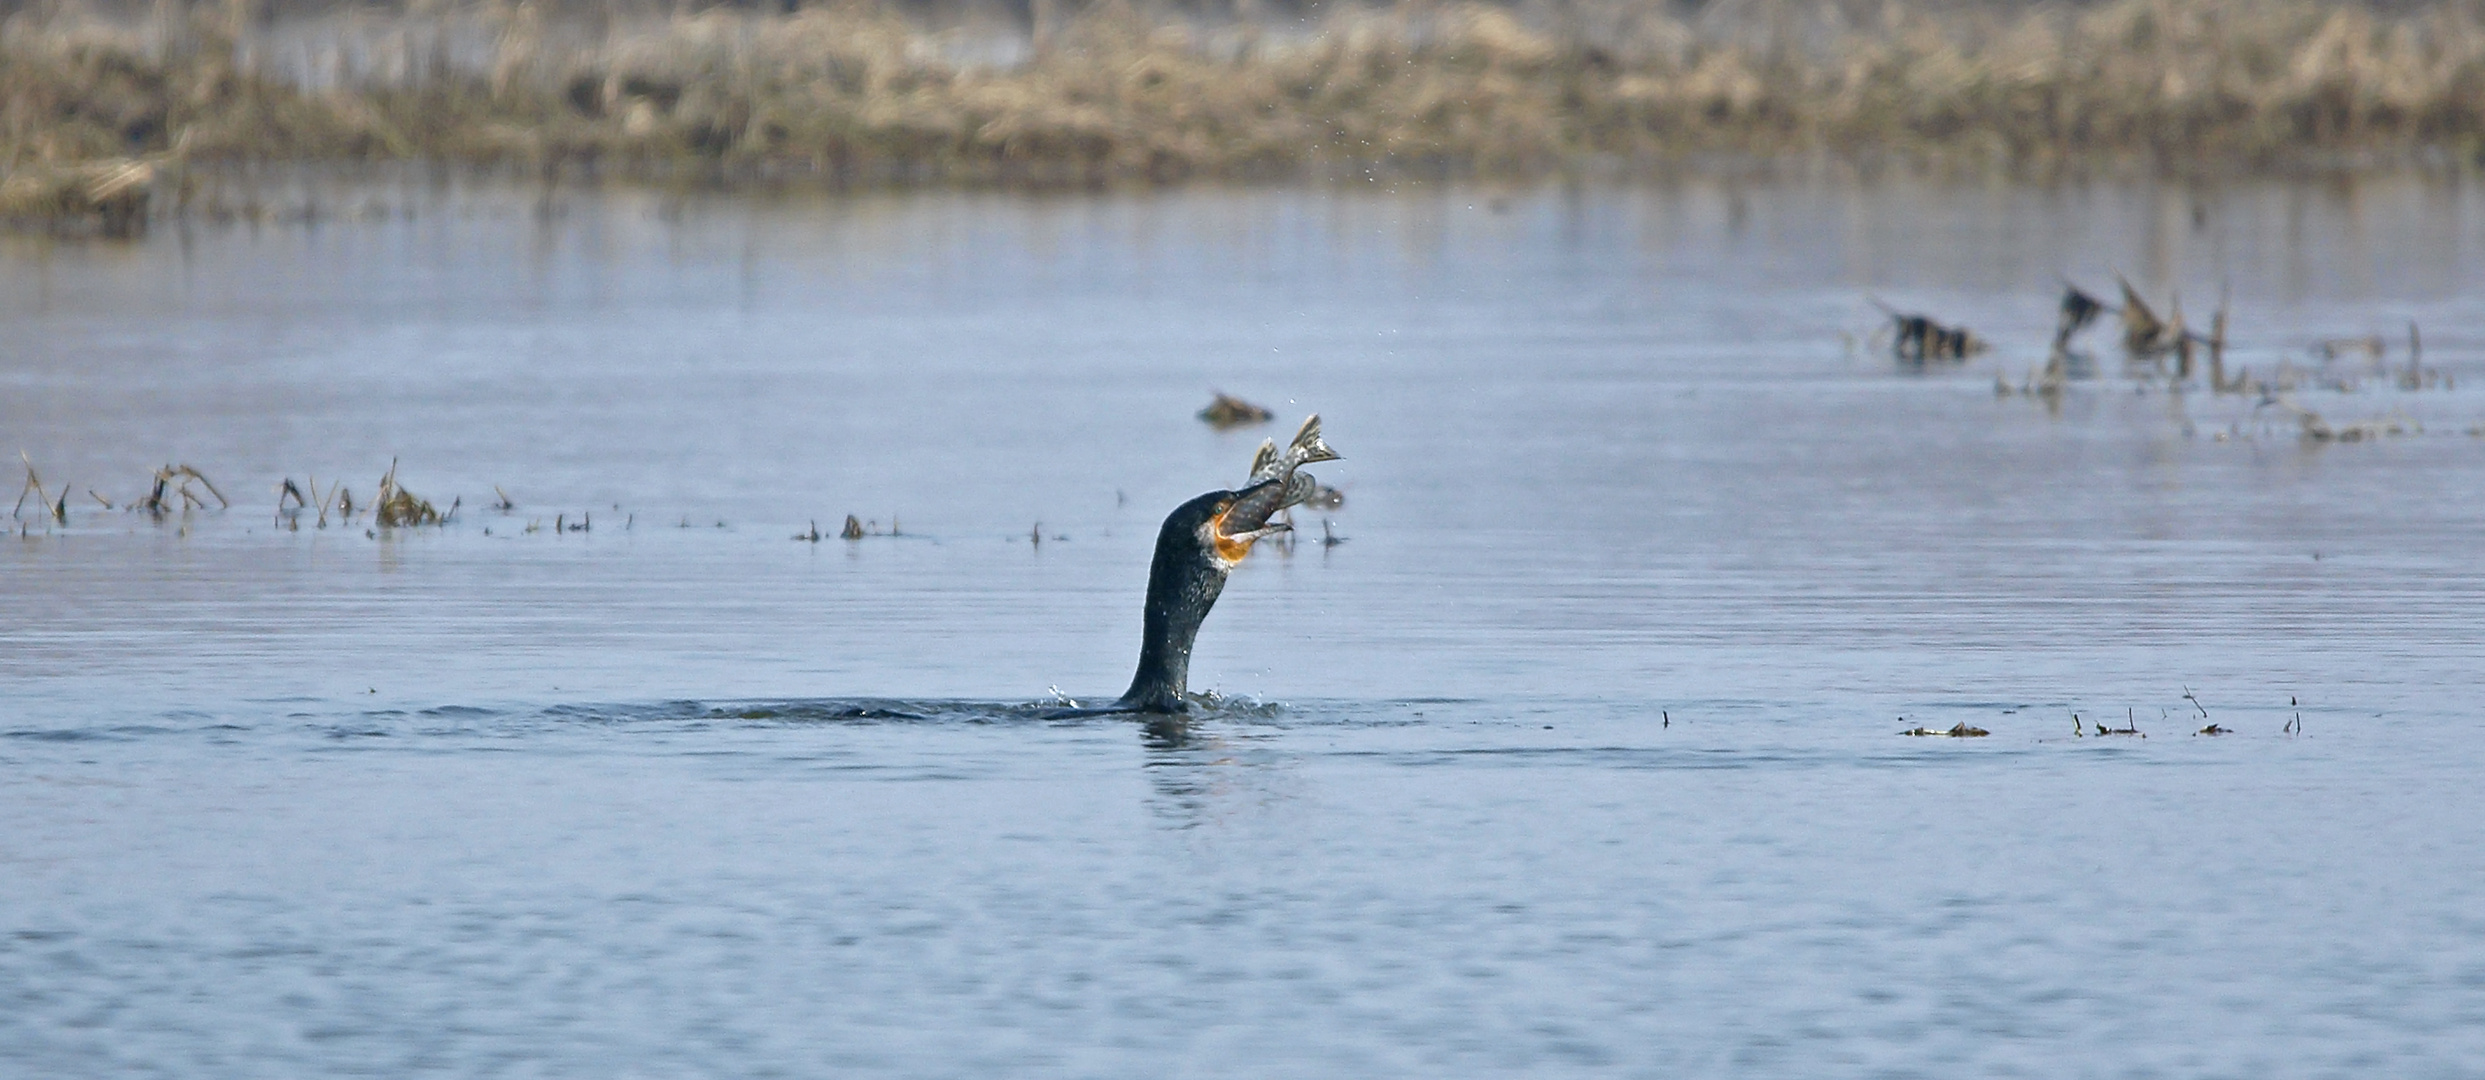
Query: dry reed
{"points": [[854, 94]]}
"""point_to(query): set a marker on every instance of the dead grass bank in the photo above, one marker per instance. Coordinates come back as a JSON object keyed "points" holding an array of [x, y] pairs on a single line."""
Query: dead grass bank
{"points": [[858, 95]]}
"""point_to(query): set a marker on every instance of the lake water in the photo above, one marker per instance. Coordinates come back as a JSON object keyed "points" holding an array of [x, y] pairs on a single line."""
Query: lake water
{"points": [[1580, 755]]}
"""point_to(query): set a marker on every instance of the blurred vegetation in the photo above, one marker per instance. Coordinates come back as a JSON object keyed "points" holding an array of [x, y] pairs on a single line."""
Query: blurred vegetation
{"points": [[1062, 94]]}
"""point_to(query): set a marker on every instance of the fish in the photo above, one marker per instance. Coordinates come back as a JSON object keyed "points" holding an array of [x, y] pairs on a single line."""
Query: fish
{"points": [[1307, 447], [1276, 483]]}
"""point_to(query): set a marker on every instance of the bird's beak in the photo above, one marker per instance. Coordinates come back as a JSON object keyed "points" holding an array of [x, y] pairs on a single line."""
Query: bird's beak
{"points": [[1232, 546]]}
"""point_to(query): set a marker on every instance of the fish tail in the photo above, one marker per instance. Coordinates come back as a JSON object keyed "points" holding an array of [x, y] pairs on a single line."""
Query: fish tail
{"points": [[1307, 447]]}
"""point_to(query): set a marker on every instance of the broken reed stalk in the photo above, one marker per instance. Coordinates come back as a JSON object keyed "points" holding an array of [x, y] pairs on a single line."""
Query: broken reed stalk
{"points": [[287, 490], [31, 483], [189, 474], [308, 497], [56, 509], [173, 482]]}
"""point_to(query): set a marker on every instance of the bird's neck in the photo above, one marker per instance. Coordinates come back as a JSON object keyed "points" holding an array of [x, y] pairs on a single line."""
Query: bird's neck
{"points": [[1182, 586]]}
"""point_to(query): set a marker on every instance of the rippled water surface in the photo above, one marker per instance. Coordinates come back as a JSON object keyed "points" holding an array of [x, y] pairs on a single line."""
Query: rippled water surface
{"points": [[1580, 754]]}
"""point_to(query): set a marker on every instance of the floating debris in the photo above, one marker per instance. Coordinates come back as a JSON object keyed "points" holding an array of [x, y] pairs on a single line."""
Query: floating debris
{"points": [[2131, 726], [398, 507], [1228, 411], [814, 535], [505, 504], [853, 529], [1917, 339], [2317, 429], [2213, 729], [1959, 731]]}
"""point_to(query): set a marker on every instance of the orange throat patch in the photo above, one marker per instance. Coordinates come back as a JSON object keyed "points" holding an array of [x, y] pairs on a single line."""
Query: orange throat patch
{"points": [[1229, 550]]}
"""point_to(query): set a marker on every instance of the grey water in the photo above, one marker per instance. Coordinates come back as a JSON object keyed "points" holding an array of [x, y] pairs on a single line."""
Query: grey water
{"points": [[1580, 753]]}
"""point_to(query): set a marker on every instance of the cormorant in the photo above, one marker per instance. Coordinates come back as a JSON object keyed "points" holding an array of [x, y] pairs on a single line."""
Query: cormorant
{"points": [[1200, 543], [1194, 553]]}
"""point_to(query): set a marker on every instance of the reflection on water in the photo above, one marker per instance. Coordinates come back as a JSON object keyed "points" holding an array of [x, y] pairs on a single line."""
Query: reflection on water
{"points": [[1580, 754]]}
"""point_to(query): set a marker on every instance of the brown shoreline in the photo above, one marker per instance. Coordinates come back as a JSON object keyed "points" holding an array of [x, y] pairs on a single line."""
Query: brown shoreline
{"points": [[101, 122]]}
